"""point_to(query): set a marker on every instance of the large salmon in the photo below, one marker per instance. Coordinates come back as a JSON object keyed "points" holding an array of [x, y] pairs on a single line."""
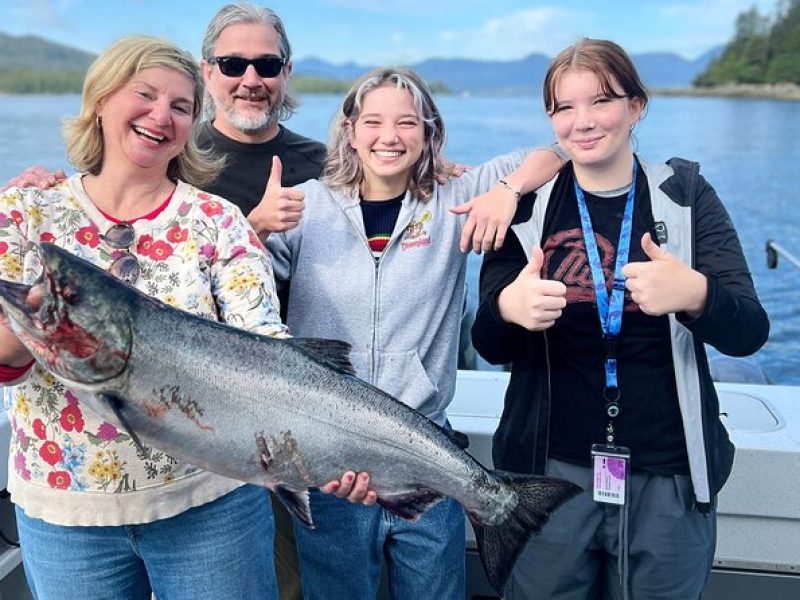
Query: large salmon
{"points": [[285, 414]]}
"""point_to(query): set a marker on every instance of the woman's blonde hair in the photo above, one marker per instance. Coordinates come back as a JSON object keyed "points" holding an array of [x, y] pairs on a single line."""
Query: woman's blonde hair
{"points": [[603, 58], [83, 135], [343, 168]]}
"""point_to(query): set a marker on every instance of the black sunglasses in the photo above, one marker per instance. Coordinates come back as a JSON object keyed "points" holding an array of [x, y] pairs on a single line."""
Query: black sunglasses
{"points": [[235, 66], [126, 267]]}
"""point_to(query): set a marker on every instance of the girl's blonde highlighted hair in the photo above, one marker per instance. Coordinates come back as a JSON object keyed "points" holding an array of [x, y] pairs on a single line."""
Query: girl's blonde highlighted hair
{"points": [[343, 168]]}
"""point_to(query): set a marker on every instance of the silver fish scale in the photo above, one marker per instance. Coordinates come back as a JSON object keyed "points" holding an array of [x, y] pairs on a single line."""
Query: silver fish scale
{"points": [[207, 403]]}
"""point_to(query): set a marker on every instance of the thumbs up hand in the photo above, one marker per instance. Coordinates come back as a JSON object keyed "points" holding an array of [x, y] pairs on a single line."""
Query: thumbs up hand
{"points": [[281, 208], [664, 284], [530, 301]]}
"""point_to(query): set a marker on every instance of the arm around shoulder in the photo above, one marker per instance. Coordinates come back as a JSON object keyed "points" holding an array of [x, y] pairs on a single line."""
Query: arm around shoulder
{"points": [[491, 213]]}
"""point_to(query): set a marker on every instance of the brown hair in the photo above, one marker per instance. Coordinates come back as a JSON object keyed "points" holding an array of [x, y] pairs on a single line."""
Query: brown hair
{"points": [[603, 58]]}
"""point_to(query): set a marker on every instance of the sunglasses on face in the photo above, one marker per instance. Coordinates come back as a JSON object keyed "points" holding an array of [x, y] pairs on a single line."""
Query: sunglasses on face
{"points": [[126, 267], [235, 66]]}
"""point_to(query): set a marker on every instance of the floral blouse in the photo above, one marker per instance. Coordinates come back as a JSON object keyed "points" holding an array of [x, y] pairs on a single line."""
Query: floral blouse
{"points": [[67, 465]]}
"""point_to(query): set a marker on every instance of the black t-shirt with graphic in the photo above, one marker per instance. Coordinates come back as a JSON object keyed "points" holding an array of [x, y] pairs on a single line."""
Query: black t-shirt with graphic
{"points": [[649, 423]]}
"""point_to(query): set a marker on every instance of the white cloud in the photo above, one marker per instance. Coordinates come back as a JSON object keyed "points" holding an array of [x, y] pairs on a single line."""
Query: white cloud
{"points": [[544, 29], [717, 14], [396, 9], [47, 13], [707, 24]]}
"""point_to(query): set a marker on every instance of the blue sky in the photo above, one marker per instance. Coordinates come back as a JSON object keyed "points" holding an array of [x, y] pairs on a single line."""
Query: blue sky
{"points": [[371, 32]]}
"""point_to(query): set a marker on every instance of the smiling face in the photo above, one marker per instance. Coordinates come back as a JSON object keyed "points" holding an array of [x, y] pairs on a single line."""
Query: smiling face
{"points": [[388, 136], [148, 120], [594, 127], [248, 106]]}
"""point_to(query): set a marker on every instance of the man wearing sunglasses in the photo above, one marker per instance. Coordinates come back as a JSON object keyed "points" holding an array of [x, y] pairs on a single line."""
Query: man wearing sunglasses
{"points": [[246, 67]]}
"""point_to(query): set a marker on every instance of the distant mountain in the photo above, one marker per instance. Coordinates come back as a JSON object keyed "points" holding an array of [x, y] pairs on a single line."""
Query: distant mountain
{"points": [[33, 65], [32, 52], [26, 63], [666, 70], [524, 76]]}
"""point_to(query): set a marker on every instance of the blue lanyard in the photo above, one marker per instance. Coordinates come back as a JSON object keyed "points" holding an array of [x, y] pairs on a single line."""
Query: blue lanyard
{"points": [[609, 309]]}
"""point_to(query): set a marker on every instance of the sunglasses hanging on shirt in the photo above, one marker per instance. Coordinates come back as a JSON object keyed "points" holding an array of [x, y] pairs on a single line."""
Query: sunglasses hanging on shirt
{"points": [[126, 266]]}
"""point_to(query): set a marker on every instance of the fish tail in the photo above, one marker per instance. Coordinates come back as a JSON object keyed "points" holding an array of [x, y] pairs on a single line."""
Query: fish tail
{"points": [[499, 545]]}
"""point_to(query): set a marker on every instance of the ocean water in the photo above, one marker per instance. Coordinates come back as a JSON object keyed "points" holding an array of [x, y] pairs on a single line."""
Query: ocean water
{"points": [[747, 148]]}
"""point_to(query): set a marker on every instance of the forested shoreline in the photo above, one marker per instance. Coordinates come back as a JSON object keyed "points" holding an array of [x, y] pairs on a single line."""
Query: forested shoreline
{"points": [[765, 50]]}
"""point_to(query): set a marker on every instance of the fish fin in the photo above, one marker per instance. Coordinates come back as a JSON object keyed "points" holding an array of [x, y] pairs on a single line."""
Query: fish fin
{"points": [[410, 505], [296, 503], [115, 402], [500, 545], [459, 438], [334, 353]]}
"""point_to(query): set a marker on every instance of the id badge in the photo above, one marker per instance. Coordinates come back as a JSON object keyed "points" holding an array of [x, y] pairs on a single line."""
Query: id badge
{"points": [[610, 466]]}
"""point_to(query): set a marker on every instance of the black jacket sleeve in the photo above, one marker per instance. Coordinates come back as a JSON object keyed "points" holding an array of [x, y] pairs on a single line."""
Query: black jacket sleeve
{"points": [[497, 341], [733, 320]]}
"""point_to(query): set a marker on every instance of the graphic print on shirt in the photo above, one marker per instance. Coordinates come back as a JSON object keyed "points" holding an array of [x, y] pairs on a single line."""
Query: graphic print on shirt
{"points": [[565, 260], [415, 235]]}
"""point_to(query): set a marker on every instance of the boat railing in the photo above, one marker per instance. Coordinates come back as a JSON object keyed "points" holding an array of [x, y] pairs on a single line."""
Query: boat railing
{"points": [[774, 251]]}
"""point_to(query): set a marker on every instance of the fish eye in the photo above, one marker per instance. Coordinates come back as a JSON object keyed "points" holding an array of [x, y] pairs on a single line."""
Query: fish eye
{"points": [[70, 295]]}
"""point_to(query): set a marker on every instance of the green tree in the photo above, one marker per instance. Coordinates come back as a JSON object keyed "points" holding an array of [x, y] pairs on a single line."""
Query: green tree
{"points": [[746, 57], [784, 65], [763, 49]]}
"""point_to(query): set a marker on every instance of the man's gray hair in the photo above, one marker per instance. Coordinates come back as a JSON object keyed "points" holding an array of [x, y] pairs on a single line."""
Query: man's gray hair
{"points": [[244, 13]]}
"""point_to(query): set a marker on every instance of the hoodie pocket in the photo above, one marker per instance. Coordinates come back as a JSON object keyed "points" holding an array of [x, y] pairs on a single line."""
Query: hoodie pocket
{"points": [[402, 375]]}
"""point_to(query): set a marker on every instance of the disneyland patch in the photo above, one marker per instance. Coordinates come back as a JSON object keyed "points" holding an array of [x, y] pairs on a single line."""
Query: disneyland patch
{"points": [[415, 235]]}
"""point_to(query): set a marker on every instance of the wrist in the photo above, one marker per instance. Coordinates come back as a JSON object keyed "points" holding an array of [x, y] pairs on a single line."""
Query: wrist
{"points": [[505, 304], [698, 301], [511, 188]]}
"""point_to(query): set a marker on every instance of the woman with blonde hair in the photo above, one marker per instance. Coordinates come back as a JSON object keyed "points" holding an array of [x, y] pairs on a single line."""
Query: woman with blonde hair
{"points": [[376, 261], [602, 300], [98, 516]]}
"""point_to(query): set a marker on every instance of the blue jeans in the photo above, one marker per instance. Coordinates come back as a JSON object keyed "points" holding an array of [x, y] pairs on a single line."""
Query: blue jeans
{"points": [[342, 557], [222, 549]]}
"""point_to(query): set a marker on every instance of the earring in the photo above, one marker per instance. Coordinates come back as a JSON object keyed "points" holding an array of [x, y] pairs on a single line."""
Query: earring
{"points": [[98, 121]]}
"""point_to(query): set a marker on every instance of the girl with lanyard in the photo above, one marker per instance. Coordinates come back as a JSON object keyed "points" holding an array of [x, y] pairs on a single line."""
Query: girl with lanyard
{"points": [[602, 298]]}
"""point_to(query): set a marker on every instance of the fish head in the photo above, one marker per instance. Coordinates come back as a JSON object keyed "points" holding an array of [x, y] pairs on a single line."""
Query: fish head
{"points": [[74, 318]]}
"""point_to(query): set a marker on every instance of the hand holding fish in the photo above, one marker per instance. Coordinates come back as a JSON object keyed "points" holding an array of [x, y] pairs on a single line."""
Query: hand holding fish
{"points": [[353, 488], [281, 208], [530, 301], [664, 284]]}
